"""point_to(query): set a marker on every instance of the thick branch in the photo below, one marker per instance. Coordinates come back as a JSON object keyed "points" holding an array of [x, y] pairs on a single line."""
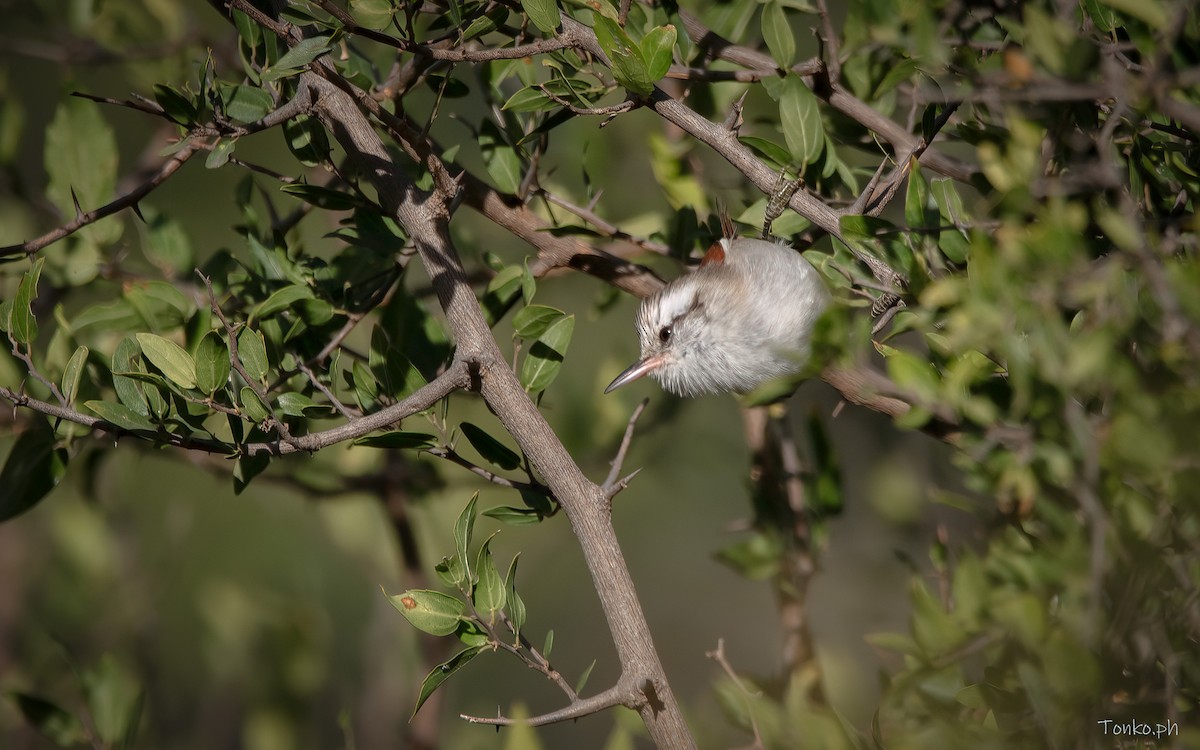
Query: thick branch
{"points": [[424, 218]]}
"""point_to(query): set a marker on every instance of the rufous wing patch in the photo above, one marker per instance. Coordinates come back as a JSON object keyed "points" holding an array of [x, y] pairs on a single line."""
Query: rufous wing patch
{"points": [[715, 254]]}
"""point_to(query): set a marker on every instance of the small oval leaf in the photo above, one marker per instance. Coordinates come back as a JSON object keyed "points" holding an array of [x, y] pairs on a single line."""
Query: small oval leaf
{"points": [[170, 358], [430, 611], [489, 447], [800, 118], [545, 357], [73, 374], [212, 363], [252, 352]]}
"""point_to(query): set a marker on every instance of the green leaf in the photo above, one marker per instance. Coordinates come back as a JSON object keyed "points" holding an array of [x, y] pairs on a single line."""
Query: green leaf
{"points": [[280, 300], [545, 357], [307, 140], [170, 358], [247, 468], [166, 244], [54, 723], [33, 468], [490, 593], [825, 483], [581, 683], [913, 372], [916, 198], [489, 447], [548, 644], [366, 388], [501, 290], [443, 672], [544, 14], [430, 611], [252, 351], [771, 151], [124, 359], [528, 283], [628, 65], [219, 156], [212, 363], [22, 323], [901, 644], [533, 320], [73, 374], [758, 557], [800, 118], [397, 440], [501, 160], [657, 50], [373, 14], [246, 103], [1150, 12], [121, 416], [298, 57], [529, 99], [298, 405], [952, 242], [81, 164], [114, 699], [463, 527], [899, 73], [323, 197], [515, 605], [515, 516], [252, 405], [777, 33], [451, 571], [178, 107]]}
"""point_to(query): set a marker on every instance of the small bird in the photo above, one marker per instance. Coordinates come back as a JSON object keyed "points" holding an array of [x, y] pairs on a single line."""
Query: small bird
{"points": [[744, 317]]}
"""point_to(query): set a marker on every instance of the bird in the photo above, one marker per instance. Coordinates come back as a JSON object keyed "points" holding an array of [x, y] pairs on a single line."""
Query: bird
{"points": [[744, 317]]}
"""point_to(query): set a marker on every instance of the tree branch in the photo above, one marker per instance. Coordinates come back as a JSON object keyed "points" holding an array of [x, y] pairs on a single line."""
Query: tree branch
{"points": [[617, 695], [424, 217], [835, 95], [456, 377]]}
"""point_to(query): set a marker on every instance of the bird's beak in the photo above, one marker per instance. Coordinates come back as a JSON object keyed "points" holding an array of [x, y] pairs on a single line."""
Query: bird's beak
{"points": [[635, 371]]}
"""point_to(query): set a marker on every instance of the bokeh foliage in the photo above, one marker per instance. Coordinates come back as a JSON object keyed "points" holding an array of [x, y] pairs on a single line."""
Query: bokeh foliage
{"points": [[1050, 327]]}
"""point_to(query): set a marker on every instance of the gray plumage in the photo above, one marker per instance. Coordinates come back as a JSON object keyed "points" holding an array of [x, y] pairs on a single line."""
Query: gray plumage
{"points": [[733, 324]]}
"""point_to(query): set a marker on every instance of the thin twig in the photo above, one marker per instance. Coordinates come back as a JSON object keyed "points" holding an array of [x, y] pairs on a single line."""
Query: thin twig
{"points": [[604, 226], [129, 200], [449, 454], [456, 377], [616, 695], [829, 44], [718, 655], [235, 361], [518, 52], [338, 405], [619, 460], [612, 109], [33, 371]]}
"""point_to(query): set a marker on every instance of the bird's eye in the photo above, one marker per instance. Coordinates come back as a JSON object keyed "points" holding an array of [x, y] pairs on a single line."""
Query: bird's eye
{"points": [[664, 335]]}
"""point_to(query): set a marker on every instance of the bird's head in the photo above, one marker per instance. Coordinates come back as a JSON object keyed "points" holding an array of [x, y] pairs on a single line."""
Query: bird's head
{"points": [[674, 329]]}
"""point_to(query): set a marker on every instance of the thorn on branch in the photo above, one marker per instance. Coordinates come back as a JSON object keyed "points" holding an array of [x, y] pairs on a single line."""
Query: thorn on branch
{"points": [[733, 121], [611, 484]]}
